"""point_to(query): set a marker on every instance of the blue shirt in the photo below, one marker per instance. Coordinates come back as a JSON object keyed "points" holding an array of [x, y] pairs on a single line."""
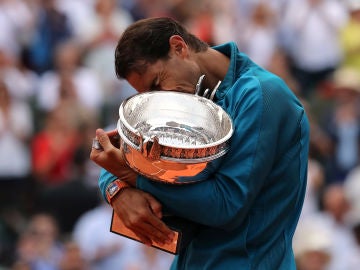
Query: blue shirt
{"points": [[252, 197]]}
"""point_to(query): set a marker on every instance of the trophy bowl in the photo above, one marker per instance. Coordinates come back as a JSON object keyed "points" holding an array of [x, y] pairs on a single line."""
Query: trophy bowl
{"points": [[171, 136]]}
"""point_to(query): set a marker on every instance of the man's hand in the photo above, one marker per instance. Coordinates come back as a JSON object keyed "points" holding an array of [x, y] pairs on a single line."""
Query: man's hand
{"points": [[142, 213], [139, 211], [110, 157]]}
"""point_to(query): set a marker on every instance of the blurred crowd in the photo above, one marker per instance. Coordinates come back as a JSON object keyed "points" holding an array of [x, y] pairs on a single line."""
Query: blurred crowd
{"points": [[58, 84]]}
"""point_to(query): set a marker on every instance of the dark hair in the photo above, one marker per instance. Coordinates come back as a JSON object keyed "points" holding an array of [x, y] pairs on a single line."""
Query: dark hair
{"points": [[146, 41]]}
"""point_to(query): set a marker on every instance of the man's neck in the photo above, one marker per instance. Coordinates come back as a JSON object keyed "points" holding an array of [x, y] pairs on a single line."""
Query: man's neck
{"points": [[214, 65]]}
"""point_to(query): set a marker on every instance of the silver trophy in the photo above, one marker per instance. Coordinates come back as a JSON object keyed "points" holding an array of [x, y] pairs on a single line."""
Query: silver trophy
{"points": [[171, 136]]}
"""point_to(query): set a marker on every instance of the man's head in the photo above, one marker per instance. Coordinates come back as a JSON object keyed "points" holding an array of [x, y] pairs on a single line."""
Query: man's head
{"points": [[148, 41]]}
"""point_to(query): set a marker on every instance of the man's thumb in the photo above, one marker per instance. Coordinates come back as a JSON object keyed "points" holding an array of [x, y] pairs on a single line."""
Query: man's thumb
{"points": [[103, 138]]}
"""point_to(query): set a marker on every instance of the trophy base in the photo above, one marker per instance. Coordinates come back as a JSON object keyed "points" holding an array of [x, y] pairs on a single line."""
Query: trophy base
{"points": [[184, 230]]}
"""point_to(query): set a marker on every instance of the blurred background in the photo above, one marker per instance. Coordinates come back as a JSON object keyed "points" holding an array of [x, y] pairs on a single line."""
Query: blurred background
{"points": [[58, 84]]}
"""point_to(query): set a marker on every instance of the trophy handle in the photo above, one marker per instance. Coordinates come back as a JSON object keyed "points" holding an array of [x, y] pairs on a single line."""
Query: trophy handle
{"points": [[151, 148]]}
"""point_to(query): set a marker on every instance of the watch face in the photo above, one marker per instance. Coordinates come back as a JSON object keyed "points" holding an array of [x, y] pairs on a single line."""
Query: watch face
{"points": [[112, 189]]}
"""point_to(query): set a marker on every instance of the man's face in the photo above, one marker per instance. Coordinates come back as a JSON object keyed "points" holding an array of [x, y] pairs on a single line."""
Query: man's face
{"points": [[174, 74]]}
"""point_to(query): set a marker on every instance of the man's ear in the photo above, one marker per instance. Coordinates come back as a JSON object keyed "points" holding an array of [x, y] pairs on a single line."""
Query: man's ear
{"points": [[178, 46]]}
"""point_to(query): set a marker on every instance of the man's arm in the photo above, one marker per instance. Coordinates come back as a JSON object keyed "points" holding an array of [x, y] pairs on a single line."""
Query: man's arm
{"points": [[264, 134]]}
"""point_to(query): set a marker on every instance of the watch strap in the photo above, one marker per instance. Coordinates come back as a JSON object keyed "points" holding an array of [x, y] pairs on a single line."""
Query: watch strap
{"points": [[114, 188]]}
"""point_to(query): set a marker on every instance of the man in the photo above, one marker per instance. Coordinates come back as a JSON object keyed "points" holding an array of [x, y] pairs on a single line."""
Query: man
{"points": [[250, 204]]}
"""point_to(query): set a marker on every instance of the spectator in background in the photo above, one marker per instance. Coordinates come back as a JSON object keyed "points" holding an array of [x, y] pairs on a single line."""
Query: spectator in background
{"points": [[72, 258], [352, 192], [323, 240], [99, 37], [315, 183], [150, 258], [259, 36], [199, 19], [51, 29], [78, 12], [141, 9], [224, 20], [350, 36], [320, 141], [21, 81], [16, 20], [336, 208], [352, 189], [16, 130], [310, 34], [343, 125], [279, 65], [312, 243], [77, 193], [53, 147], [39, 246], [20, 265], [70, 81]]}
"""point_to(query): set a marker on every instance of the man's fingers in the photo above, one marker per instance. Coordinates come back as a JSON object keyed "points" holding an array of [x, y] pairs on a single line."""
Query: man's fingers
{"points": [[146, 231], [161, 231], [143, 237], [155, 229], [151, 234]]}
